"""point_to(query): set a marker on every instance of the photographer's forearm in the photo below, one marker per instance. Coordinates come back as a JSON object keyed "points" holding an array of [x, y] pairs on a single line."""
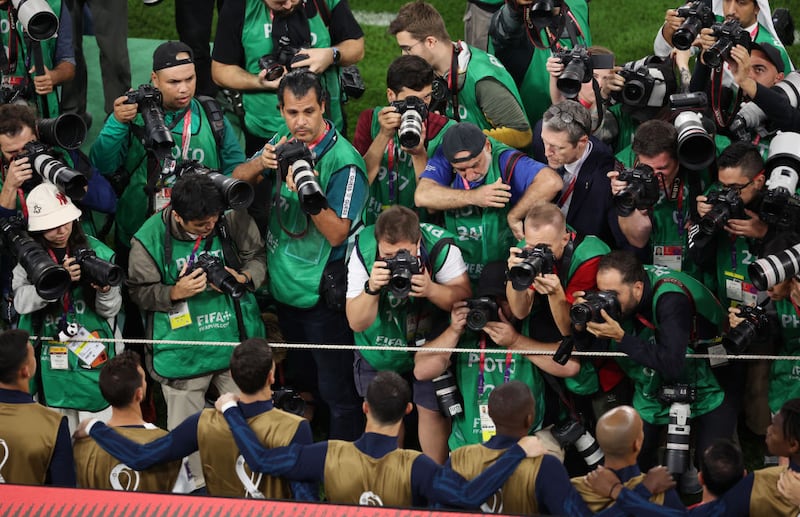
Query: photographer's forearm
{"points": [[519, 301], [334, 228], [63, 72], [636, 228], [429, 365], [235, 77], [545, 362], [352, 51], [445, 295], [777, 108], [110, 148], [374, 155], [144, 282], [430, 194]]}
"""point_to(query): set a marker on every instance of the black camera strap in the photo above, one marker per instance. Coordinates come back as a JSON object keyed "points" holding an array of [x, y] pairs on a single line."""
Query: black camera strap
{"points": [[452, 81], [276, 202], [723, 117], [231, 260]]}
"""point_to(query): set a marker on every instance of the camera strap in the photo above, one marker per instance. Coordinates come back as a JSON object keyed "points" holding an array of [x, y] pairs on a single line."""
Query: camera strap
{"points": [[452, 80], [723, 117], [482, 366], [8, 64], [276, 203]]}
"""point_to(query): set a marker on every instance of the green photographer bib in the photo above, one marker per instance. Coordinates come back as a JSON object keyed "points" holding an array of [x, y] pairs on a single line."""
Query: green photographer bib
{"points": [[211, 315], [784, 381], [67, 381]]}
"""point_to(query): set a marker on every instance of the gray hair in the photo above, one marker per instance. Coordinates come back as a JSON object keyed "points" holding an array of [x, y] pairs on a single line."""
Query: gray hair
{"points": [[579, 119]]}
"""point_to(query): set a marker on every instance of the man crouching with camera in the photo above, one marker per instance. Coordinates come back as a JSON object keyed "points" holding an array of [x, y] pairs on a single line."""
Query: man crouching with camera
{"points": [[403, 277], [319, 191], [193, 268], [656, 315]]}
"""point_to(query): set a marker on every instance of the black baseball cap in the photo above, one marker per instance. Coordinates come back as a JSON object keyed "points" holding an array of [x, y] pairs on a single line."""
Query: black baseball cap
{"points": [[772, 53], [166, 54], [464, 136]]}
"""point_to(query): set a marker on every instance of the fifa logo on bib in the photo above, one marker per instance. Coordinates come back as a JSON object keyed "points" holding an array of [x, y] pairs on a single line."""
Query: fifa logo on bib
{"points": [[123, 477], [370, 499]]}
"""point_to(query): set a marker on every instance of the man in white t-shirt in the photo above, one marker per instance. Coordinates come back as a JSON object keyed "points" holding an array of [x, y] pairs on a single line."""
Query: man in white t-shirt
{"points": [[402, 279]]}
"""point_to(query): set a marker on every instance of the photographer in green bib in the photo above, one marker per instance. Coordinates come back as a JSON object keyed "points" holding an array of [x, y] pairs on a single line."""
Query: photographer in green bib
{"points": [[403, 277], [51, 37], [397, 140], [658, 232], [193, 269], [656, 316], [485, 189], [73, 319]]}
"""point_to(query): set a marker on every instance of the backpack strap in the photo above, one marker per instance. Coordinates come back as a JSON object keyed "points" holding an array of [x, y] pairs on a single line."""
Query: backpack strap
{"points": [[216, 117], [511, 163]]}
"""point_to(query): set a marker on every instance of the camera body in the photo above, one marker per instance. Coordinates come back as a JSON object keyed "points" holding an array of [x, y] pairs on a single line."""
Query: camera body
{"points": [[536, 261], [638, 87], [49, 168], [157, 137], [696, 147], [641, 192], [728, 34], [481, 311], [726, 204], [677, 393], [402, 267], [284, 56], [739, 337], [236, 193], [96, 270], [571, 432], [413, 112], [448, 396], [51, 280], [296, 155], [697, 16], [218, 276], [679, 397], [595, 301], [287, 399], [577, 69]]}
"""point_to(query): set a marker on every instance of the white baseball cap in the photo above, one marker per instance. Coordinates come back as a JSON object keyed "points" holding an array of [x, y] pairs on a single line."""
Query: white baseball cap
{"points": [[49, 208]]}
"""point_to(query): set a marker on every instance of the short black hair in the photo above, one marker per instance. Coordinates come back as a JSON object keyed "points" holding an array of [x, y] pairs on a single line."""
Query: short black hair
{"points": [[300, 82], [629, 266], [510, 403], [195, 197], [13, 354], [791, 420], [251, 363], [744, 155], [654, 137], [388, 396], [120, 378], [410, 72], [723, 466]]}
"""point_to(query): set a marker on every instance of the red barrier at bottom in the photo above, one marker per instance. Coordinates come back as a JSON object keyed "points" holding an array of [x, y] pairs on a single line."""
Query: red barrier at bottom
{"points": [[18, 501]]}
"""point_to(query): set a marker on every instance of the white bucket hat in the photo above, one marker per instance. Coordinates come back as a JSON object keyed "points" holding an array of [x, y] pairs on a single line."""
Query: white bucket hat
{"points": [[49, 208]]}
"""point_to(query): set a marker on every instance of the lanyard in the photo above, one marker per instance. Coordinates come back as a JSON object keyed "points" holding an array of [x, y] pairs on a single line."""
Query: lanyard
{"points": [[734, 262], [319, 139], [391, 158], [565, 196], [677, 192], [644, 322], [187, 134], [482, 366], [190, 263], [13, 43]]}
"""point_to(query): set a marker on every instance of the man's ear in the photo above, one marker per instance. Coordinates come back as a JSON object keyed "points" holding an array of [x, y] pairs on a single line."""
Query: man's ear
{"points": [[138, 395], [154, 79], [409, 408], [390, 95]]}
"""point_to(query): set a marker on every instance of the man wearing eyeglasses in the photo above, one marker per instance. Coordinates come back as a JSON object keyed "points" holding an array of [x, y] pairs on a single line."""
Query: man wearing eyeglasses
{"points": [[485, 189], [386, 307], [563, 140], [473, 86]]}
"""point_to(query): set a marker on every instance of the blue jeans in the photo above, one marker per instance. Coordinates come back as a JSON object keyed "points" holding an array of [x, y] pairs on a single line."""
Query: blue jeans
{"points": [[319, 324]]}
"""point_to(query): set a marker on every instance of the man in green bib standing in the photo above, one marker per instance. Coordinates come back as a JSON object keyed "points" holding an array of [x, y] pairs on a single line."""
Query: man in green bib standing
{"points": [[170, 277]]}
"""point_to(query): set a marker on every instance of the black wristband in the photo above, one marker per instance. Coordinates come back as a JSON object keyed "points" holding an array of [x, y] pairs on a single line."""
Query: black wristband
{"points": [[370, 291]]}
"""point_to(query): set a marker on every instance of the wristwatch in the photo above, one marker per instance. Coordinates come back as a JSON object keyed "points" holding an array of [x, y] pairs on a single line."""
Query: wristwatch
{"points": [[370, 291], [337, 56]]}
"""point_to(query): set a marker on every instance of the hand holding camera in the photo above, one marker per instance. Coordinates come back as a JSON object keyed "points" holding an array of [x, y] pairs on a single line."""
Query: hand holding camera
{"points": [[492, 195], [458, 317], [20, 170], [124, 111], [73, 268], [188, 284]]}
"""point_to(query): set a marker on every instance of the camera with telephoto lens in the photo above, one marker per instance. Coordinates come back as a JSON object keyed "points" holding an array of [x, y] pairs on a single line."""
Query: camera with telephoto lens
{"points": [[49, 168], [751, 117], [402, 267], [157, 137], [481, 311], [218, 276], [697, 16], [679, 397], [67, 131], [236, 193], [594, 302], [771, 270], [413, 113], [96, 270], [37, 18], [448, 397], [536, 261], [295, 154], [287, 399], [50, 279], [540, 13], [739, 337], [696, 147], [641, 191], [14, 93], [284, 56], [726, 204], [728, 34], [780, 205], [579, 66], [571, 432]]}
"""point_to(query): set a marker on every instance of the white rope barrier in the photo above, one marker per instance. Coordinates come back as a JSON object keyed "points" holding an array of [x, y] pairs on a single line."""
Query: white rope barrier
{"points": [[328, 346]]}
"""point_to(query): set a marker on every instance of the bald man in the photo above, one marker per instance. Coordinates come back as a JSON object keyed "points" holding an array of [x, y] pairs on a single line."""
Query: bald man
{"points": [[620, 433], [539, 485]]}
